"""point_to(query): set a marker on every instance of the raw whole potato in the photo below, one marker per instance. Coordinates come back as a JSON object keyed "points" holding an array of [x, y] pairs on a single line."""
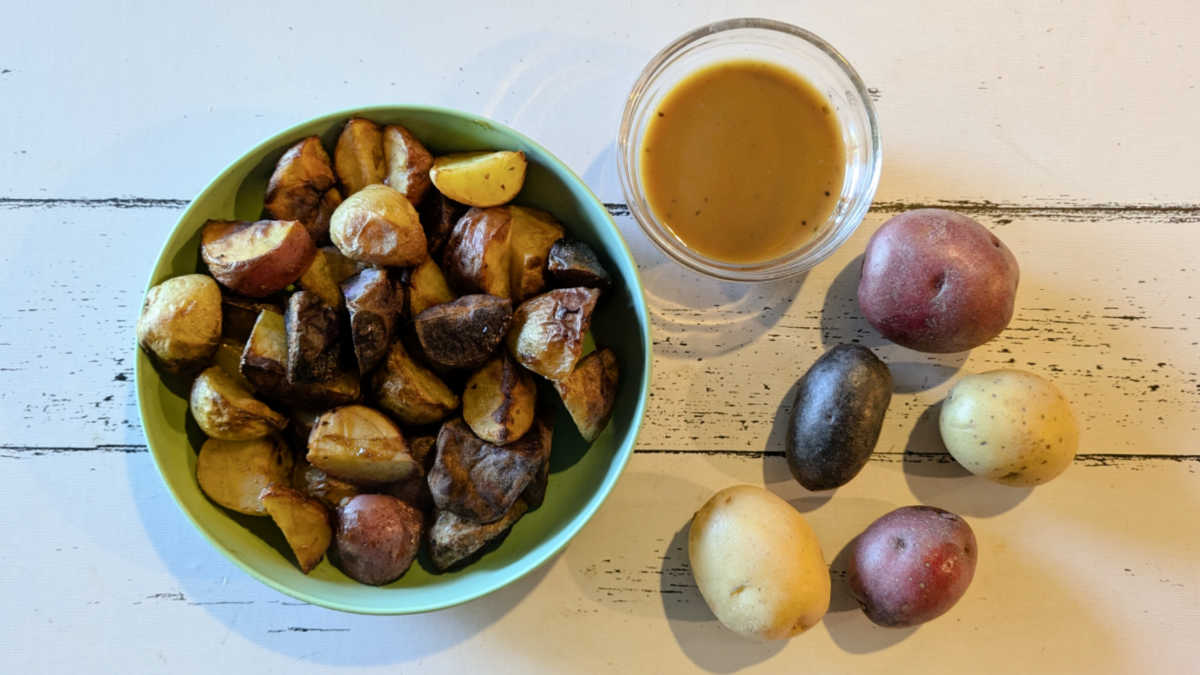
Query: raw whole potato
{"points": [[360, 445], [377, 225], [573, 263], [303, 521], [1010, 426], [378, 537], [408, 163], [234, 473], [937, 281], [479, 253], [548, 329], [374, 303], [301, 178], [426, 287], [480, 178], [836, 418], [758, 564], [463, 333], [453, 539], [911, 565], [180, 323], [358, 156], [499, 401], [312, 339], [256, 259], [590, 391], [225, 410], [411, 392], [477, 480], [533, 234]]}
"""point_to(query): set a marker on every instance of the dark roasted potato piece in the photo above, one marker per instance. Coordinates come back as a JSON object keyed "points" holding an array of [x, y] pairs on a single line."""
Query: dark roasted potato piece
{"points": [[360, 445], [374, 303], [316, 483], [463, 333], [303, 520], [256, 259], [590, 391], [423, 449], [547, 330], [238, 315], [573, 263], [426, 287], [180, 323], [358, 156], [409, 391], [540, 438], [533, 235], [499, 401], [301, 178], [478, 480], [439, 214], [319, 228], [478, 255], [453, 538], [407, 163], [312, 333], [264, 365]]}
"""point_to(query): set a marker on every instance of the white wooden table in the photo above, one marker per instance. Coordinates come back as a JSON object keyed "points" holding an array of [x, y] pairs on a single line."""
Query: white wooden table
{"points": [[1070, 129]]}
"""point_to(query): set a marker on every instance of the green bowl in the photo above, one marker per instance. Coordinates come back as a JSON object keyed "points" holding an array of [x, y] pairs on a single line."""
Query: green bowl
{"points": [[581, 476]]}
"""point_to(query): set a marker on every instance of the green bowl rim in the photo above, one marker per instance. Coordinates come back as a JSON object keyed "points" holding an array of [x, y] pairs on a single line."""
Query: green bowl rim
{"points": [[620, 458]]}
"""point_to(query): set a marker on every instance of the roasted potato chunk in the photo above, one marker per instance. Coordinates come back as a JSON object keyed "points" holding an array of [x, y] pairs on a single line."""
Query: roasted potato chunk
{"points": [[378, 537], [408, 163], [360, 445], [264, 365], [478, 254], [303, 520], [590, 391], [374, 303], [423, 449], [358, 156], [411, 392], [463, 333], [479, 480], [226, 411], [312, 334], [426, 287], [319, 279], [533, 234], [453, 538], [319, 228], [547, 330], [229, 357], [256, 259], [377, 225], [499, 401], [301, 178], [573, 263], [480, 178], [238, 315], [234, 473], [180, 323], [439, 215], [318, 484]]}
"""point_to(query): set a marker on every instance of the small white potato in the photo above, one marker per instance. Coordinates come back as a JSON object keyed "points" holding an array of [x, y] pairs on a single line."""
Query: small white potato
{"points": [[758, 564], [480, 178], [180, 323], [1011, 426]]}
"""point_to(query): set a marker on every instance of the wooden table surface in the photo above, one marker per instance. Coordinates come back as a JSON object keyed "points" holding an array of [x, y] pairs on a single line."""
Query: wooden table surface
{"points": [[1068, 128]]}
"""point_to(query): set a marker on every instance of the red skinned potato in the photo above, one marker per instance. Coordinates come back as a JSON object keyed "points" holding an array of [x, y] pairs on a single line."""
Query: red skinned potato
{"points": [[912, 565], [479, 253], [298, 185], [256, 259], [378, 537], [937, 281]]}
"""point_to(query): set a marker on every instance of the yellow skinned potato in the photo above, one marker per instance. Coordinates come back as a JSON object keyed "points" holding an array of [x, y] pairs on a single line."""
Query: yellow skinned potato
{"points": [[180, 323], [224, 409], [359, 445], [533, 234], [1010, 426], [234, 473], [378, 225], [758, 564], [479, 178], [303, 521], [427, 287]]}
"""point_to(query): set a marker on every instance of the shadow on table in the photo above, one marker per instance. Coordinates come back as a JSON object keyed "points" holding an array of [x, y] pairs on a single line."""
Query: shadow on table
{"points": [[845, 621]]}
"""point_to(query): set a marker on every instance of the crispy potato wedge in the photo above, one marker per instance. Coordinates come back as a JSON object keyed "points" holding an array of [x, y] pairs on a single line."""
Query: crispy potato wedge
{"points": [[463, 333], [180, 323], [318, 278], [533, 234], [358, 156], [411, 392], [303, 520], [499, 401], [453, 539], [264, 365], [480, 178], [301, 178], [318, 484], [478, 480], [572, 263], [312, 335], [377, 225], [548, 329], [226, 411], [234, 473], [359, 444], [590, 391], [439, 215], [238, 315], [256, 259], [477, 256], [426, 287], [375, 304], [229, 357], [408, 163]]}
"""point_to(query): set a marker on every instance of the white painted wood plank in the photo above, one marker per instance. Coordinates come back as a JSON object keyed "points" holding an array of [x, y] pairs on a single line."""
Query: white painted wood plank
{"points": [[1105, 309], [1091, 573], [1090, 101]]}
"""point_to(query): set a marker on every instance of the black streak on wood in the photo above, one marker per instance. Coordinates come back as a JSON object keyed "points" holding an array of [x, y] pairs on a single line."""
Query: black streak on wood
{"points": [[304, 629]]}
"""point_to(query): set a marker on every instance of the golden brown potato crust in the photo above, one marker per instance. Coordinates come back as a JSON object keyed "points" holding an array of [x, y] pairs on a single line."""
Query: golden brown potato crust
{"points": [[547, 330], [358, 156], [590, 391], [478, 254], [181, 320]]}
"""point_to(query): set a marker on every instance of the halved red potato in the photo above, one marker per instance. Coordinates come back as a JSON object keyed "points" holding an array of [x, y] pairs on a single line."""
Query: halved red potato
{"points": [[256, 259]]}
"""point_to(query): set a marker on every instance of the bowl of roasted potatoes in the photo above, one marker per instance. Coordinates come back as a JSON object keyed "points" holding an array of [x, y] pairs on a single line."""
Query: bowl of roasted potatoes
{"points": [[392, 359]]}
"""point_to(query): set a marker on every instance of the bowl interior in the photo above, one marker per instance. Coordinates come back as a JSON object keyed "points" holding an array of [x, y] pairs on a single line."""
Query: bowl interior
{"points": [[581, 476]]}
